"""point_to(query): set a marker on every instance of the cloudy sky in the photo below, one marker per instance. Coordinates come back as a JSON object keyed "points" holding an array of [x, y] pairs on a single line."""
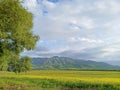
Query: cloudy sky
{"points": [[85, 29]]}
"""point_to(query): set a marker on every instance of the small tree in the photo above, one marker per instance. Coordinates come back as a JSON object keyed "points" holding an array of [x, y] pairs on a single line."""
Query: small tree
{"points": [[15, 33], [21, 65], [25, 64]]}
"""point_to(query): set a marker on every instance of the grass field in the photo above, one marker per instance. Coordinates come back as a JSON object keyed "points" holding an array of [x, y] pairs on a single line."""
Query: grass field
{"points": [[60, 80]]}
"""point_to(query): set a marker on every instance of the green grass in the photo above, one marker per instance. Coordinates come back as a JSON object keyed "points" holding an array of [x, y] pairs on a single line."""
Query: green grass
{"points": [[60, 80]]}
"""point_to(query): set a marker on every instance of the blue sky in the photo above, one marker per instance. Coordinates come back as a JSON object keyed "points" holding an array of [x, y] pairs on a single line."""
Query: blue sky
{"points": [[85, 29]]}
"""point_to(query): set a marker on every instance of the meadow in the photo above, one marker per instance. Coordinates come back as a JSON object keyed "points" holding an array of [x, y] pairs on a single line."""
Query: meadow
{"points": [[60, 80]]}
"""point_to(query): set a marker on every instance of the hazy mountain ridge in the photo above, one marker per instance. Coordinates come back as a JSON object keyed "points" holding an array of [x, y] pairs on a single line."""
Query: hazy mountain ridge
{"points": [[69, 63]]}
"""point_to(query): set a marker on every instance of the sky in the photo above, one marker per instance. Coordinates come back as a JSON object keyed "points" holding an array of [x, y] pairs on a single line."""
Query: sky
{"points": [[82, 29]]}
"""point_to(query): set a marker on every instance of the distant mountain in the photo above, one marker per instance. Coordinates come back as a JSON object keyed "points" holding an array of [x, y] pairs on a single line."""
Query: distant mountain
{"points": [[114, 62], [69, 63]]}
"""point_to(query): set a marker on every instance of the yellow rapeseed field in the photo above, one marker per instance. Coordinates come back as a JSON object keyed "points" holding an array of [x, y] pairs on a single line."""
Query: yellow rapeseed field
{"points": [[101, 80]]}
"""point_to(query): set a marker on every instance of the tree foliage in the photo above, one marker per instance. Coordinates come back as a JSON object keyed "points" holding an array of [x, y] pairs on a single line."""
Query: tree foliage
{"points": [[21, 65], [15, 32]]}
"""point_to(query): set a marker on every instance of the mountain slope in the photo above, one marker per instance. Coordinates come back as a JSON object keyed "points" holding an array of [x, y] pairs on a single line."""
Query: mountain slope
{"points": [[69, 63]]}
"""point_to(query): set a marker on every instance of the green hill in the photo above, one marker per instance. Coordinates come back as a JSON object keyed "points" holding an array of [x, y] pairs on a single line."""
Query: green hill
{"points": [[69, 63]]}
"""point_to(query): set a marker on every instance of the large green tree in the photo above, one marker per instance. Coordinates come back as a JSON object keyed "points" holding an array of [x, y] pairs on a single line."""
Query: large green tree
{"points": [[15, 32]]}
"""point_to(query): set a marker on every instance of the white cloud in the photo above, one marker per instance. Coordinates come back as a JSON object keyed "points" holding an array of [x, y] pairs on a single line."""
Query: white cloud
{"points": [[109, 6], [87, 40], [111, 50], [77, 25], [48, 5], [84, 40], [30, 4], [88, 23]]}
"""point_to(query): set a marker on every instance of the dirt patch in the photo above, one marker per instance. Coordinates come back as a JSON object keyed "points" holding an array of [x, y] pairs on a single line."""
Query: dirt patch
{"points": [[14, 87]]}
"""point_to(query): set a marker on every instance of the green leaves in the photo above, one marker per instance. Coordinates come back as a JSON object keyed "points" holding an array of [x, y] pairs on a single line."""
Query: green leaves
{"points": [[21, 65], [15, 29]]}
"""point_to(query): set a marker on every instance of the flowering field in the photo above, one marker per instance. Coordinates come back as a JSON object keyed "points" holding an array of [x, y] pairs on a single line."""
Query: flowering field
{"points": [[61, 80]]}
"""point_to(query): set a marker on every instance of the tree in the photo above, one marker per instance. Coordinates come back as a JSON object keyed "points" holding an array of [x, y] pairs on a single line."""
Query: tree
{"points": [[15, 32], [21, 65]]}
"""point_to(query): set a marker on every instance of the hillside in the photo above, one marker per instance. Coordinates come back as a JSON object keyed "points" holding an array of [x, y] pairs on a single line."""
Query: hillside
{"points": [[69, 63]]}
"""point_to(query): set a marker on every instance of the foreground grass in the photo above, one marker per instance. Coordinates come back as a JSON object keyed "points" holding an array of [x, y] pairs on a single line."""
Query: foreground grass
{"points": [[61, 80]]}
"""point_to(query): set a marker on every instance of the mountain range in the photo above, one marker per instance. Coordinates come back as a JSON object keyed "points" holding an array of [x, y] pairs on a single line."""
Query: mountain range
{"points": [[69, 63]]}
